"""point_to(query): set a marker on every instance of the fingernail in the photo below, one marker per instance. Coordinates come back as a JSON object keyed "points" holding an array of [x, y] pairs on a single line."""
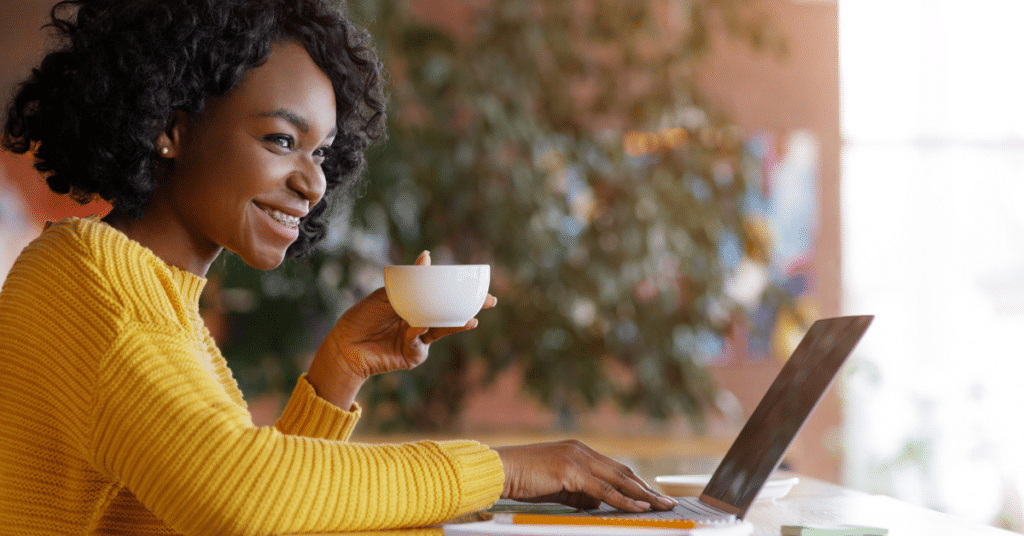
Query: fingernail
{"points": [[643, 504], [668, 501]]}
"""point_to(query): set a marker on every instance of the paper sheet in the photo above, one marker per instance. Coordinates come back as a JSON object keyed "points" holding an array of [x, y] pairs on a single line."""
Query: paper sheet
{"points": [[493, 528]]}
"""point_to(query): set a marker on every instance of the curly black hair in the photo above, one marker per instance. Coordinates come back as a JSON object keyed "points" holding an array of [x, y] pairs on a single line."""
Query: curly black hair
{"points": [[92, 110]]}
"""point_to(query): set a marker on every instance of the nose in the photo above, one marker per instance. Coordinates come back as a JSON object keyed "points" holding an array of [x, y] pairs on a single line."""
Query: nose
{"points": [[308, 181]]}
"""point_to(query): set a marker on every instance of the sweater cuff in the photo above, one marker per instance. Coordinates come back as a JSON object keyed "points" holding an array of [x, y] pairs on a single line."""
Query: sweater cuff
{"points": [[311, 416], [479, 470]]}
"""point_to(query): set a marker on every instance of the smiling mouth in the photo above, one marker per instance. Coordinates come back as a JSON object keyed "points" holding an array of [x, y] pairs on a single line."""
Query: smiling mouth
{"points": [[287, 220]]}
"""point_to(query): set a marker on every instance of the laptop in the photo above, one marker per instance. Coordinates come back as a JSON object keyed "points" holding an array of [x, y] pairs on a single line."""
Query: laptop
{"points": [[767, 434]]}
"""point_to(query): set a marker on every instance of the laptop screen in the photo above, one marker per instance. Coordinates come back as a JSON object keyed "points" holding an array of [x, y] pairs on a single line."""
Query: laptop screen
{"points": [[782, 412]]}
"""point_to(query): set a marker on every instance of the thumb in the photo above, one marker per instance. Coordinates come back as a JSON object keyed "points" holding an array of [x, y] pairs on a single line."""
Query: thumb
{"points": [[423, 259]]}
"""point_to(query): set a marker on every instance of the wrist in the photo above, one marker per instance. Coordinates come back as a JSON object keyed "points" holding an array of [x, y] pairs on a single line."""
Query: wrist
{"points": [[505, 457], [333, 381]]}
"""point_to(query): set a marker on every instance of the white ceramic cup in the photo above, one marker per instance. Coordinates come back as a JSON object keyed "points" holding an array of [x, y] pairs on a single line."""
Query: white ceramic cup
{"points": [[442, 296]]}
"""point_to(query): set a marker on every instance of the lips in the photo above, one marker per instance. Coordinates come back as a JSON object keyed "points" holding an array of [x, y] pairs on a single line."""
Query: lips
{"points": [[287, 220]]}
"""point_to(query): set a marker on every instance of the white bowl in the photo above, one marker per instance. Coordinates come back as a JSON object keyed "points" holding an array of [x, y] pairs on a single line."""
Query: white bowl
{"points": [[693, 485], [443, 296]]}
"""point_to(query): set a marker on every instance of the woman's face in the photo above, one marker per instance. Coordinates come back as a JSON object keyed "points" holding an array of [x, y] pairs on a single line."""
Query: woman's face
{"points": [[248, 168]]}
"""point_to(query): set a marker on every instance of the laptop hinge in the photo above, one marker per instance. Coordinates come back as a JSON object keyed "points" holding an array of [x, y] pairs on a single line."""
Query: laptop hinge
{"points": [[723, 506]]}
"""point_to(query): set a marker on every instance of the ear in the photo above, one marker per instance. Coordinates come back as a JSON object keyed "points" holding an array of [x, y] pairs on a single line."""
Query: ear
{"points": [[168, 143]]}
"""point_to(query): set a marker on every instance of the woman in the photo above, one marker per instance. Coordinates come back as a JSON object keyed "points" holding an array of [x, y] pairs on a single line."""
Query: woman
{"points": [[210, 125]]}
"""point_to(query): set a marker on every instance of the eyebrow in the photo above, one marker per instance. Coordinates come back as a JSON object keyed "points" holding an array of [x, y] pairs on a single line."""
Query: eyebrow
{"points": [[296, 120]]}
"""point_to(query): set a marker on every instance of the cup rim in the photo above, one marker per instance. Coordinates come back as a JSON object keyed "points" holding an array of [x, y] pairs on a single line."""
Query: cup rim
{"points": [[429, 266]]}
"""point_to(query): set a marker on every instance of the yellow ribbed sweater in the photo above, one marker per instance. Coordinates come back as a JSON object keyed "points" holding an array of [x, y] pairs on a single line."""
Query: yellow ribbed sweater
{"points": [[118, 415]]}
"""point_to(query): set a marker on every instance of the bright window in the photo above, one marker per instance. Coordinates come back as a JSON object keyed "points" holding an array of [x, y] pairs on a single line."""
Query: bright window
{"points": [[933, 244]]}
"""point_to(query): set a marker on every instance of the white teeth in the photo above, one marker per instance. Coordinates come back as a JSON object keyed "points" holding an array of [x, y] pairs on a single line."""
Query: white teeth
{"points": [[282, 218]]}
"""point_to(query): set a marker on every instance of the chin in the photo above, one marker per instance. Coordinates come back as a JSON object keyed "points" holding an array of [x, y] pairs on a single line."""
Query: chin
{"points": [[267, 264], [264, 262]]}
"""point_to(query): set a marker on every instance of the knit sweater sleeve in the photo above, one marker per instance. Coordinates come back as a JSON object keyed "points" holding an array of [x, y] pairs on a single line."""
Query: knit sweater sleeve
{"points": [[165, 429], [309, 415]]}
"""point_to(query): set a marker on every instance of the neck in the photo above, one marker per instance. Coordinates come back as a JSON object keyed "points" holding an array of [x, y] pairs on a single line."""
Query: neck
{"points": [[165, 241]]}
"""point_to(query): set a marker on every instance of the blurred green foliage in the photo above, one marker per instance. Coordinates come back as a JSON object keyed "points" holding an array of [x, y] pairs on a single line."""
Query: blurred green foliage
{"points": [[567, 145]]}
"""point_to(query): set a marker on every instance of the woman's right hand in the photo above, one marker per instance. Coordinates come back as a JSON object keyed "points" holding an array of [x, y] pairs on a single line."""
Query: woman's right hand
{"points": [[571, 473], [370, 338]]}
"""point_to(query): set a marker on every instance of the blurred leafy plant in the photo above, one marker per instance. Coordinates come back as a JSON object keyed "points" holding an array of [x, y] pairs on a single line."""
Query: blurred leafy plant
{"points": [[567, 145]]}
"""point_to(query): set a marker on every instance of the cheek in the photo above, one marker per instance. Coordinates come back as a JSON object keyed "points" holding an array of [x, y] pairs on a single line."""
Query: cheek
{"points": [[232, 179]]}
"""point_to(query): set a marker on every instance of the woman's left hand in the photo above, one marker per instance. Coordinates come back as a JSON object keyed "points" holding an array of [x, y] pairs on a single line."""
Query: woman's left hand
{"points": [[570, 472], [370, 338]]}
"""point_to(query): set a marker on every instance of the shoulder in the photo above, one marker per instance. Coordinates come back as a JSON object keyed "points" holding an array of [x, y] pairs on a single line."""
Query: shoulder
{"points": [[55, 301], [61, 269], [64, 252], [79, 249], [85, 263], [88, 265]]}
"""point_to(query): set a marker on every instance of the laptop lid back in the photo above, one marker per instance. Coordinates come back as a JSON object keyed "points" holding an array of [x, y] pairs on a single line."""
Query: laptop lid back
{"points": [[782, 412]]}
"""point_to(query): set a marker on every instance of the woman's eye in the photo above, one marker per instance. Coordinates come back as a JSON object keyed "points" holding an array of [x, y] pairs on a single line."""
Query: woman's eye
{"points": [[281, 140], [321, 154]]}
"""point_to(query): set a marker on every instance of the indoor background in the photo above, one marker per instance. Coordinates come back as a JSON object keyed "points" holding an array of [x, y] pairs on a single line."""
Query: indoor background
{"points": [[880, 148]]}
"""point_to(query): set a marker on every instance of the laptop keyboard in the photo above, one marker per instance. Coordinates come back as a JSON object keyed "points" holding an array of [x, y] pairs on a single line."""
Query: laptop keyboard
{"points": [[688, 508]]}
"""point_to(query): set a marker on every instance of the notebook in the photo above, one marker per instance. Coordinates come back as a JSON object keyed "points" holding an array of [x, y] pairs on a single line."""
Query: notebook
{"points": [[767, 434]]}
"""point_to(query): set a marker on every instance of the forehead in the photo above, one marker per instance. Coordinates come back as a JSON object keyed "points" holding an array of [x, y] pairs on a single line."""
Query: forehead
{"points": [[291, 81]]}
